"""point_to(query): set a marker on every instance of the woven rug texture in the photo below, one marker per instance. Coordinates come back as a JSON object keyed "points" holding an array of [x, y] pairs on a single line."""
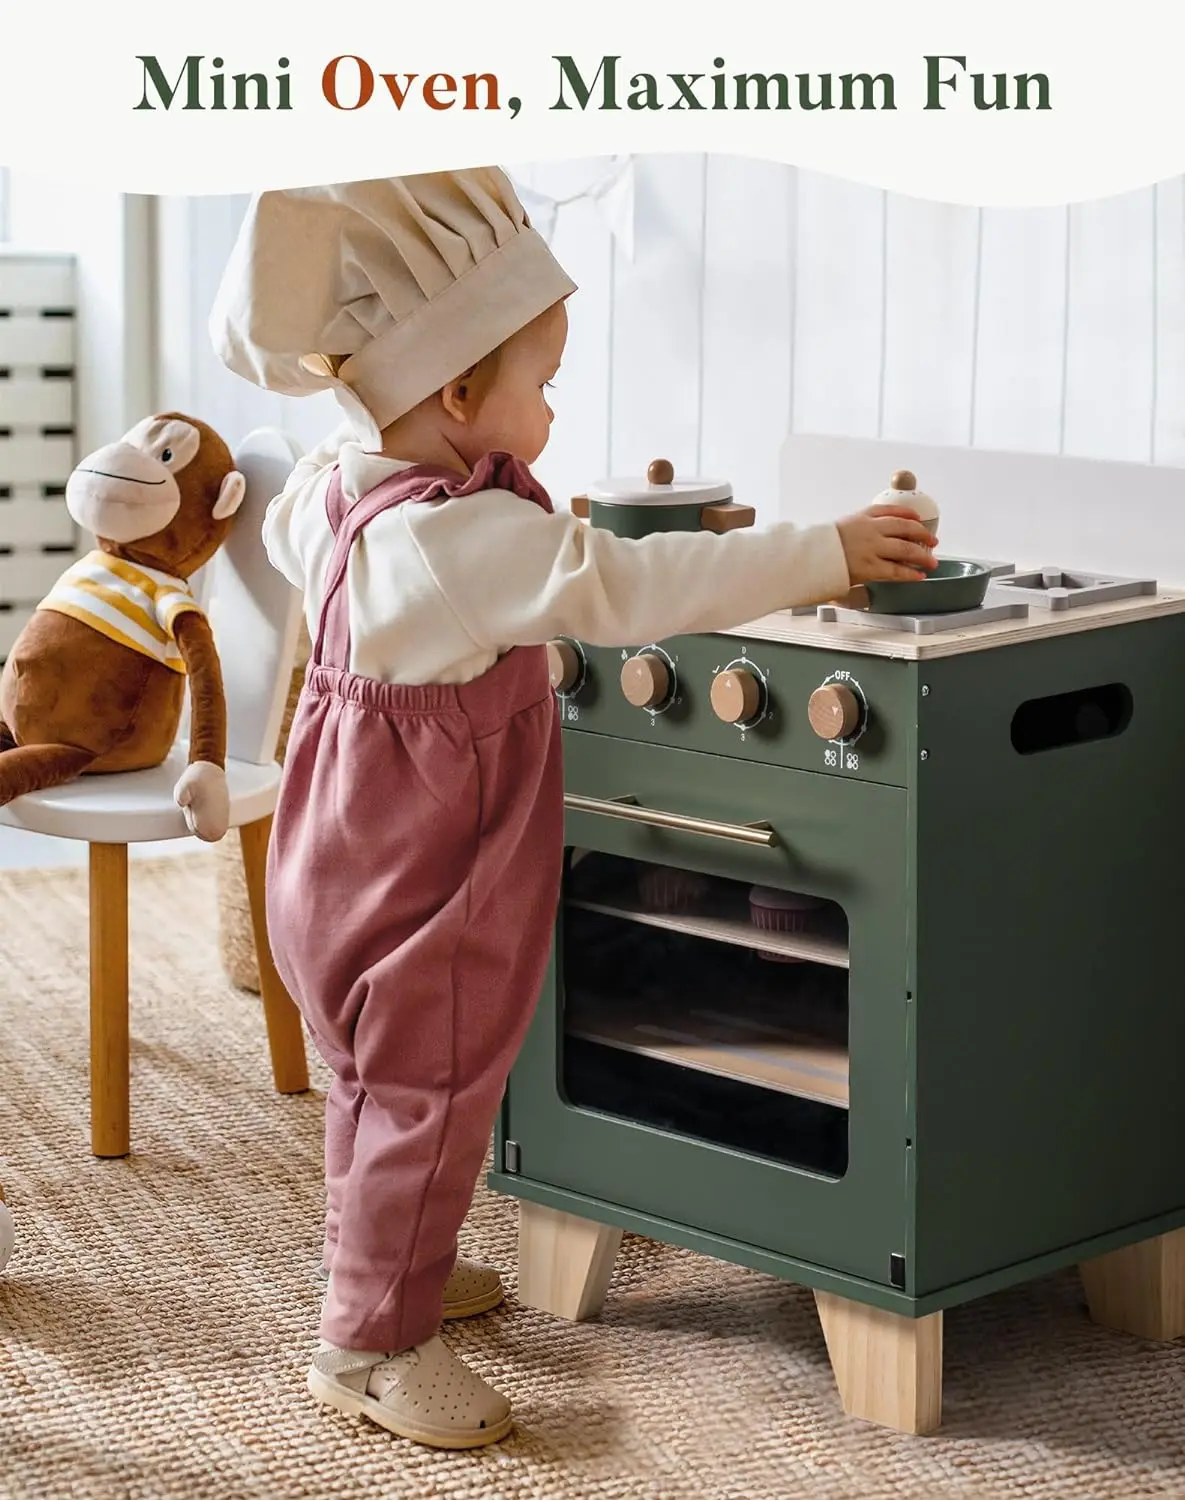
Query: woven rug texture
{"points": [[157, 1316]]}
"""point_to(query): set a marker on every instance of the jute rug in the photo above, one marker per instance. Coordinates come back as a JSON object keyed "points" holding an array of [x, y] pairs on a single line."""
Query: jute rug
{"points": [[156, 1318]]}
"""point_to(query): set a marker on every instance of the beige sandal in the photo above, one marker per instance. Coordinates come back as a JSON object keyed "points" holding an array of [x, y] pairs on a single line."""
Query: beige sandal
{"points": [[472, 1288], [425, 1394]]}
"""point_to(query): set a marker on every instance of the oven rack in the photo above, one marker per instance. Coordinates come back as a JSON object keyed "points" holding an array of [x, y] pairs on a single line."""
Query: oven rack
{"points": [[719, 927], [781, 1058]]}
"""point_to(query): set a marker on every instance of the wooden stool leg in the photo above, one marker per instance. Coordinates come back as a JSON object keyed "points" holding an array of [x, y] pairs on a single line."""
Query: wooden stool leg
{"points": [[285, 1030], [1140, 1289], [564, 1263], [888, 1368], [110, 1059]]}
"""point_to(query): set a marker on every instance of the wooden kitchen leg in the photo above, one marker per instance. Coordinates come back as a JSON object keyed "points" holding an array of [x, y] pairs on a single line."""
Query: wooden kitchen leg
{"points": [[564, 1263], [1141, 1288], [888, 1368]]}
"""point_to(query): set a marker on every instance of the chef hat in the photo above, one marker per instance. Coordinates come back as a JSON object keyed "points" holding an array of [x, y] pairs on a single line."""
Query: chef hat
{"points": [[380, 291]]}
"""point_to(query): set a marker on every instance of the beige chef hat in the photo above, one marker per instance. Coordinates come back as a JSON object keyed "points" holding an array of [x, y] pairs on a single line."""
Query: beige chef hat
{"points": [[380, 291]]}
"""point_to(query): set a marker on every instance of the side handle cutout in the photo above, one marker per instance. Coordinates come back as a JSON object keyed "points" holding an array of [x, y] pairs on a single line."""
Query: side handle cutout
{"points": [[1096, 713]]}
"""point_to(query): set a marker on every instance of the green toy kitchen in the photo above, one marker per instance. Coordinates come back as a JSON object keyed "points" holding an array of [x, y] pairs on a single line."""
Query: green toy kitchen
{"points": [[869, 967]]}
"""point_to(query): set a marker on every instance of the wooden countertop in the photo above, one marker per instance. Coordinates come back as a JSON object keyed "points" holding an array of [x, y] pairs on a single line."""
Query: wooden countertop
{"points": [[809, 630]]}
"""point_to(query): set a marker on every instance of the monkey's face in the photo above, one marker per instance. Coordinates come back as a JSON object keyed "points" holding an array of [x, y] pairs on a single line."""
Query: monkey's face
{"points": [[132, 489]]}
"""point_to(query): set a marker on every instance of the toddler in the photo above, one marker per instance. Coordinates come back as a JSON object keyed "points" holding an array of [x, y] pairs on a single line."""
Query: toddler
{"points": [[414, 869]]}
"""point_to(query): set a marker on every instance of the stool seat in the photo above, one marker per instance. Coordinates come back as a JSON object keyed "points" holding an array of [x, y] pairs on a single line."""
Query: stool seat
{"points": [[137, 807]]}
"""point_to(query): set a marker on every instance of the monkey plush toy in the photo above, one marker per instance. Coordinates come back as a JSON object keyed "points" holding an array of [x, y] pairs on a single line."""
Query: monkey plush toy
{"points": [[96, 680]]}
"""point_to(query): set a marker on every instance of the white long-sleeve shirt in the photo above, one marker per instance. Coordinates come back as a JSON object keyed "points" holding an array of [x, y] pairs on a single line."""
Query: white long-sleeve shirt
{"points": [[438, 590]]}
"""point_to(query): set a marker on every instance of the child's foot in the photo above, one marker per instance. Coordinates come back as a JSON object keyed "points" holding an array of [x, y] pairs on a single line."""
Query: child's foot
{"points": [[426, 1394], [471, 1288]]}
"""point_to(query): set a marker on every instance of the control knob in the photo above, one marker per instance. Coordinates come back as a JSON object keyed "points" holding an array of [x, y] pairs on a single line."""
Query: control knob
{"points": [[564, 665], [646, 680], [737, 696], [834, 711]]}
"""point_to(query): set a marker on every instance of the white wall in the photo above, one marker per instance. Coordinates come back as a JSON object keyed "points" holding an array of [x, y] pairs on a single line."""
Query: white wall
{"points": [[763, 299]]}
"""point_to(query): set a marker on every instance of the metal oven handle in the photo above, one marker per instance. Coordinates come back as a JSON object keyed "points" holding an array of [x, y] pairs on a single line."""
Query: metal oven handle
{"points": [[760, 834]]}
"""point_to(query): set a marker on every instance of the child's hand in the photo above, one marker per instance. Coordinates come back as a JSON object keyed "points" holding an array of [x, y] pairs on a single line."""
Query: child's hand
{"points": [[887, 542]]}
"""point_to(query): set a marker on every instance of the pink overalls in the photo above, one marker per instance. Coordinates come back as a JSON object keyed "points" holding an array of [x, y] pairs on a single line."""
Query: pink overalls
{"points": [[413, 877]]}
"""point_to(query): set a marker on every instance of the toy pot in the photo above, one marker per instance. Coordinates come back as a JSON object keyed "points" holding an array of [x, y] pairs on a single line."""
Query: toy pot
{"points": [[635, 508]]}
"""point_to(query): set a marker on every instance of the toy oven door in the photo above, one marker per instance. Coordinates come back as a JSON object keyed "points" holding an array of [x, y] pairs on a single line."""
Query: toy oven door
{"points": [[711, 1050]]}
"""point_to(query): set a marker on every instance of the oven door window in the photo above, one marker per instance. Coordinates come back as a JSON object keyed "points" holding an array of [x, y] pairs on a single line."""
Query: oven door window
{"points": [[707, 1008]]}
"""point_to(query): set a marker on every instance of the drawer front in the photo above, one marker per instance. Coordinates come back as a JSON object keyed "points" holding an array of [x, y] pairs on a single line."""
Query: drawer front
{"points": [[32, 521], [29, 283], [26, 577], [12, 622], [36, 460], [881, 752], [33, 401], [844, 841], [38, 341]]}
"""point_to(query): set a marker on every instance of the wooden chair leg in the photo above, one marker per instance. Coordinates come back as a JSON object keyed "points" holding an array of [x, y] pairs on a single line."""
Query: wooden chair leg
{"points": [[1140, 1289], [110, 1056], [564, 1263], [888, 1368], [285, 1030]]}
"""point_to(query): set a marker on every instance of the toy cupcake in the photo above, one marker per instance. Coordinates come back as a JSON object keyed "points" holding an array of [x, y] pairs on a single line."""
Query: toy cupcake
{"points": [[665, 889], [782, 911], [903, 490]]}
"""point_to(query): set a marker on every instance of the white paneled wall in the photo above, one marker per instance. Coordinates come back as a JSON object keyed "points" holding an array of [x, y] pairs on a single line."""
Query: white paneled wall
{"points": [[761, 299]]}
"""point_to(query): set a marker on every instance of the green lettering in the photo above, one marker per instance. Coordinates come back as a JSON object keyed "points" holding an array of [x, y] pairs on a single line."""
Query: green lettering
{"points": [[867, 84], [166, 92], [934, 82], [570, 74]]}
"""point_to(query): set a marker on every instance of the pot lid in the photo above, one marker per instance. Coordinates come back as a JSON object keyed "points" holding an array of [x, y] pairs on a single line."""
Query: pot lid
{"points": [[659, 487], [903, 490]]}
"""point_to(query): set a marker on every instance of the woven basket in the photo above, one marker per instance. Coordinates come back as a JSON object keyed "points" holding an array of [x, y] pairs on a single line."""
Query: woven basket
{"points": [[236, 941]]}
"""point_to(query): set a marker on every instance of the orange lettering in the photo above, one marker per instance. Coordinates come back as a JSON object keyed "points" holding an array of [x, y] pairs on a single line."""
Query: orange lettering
{"points": [[398, 93], [365, 82], [431, 90], [491, 83]]}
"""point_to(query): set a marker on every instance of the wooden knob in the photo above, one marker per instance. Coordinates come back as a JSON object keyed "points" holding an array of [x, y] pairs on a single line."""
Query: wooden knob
{"points": [[661, 471], [563, 665], [904, 479], [833, 711], [736, 696], [645, 681]]}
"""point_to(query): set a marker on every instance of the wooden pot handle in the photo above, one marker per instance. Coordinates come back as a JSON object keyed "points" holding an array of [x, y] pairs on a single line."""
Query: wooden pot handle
{"points": [[579, 507], [726, 515]]}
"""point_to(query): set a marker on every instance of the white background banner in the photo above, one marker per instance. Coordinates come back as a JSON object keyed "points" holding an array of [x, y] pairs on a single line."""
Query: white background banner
{"points": [[432, 87]]}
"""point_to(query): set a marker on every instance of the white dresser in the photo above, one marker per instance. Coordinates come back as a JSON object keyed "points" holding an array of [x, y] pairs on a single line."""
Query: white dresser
{"points": [[37, 445]]}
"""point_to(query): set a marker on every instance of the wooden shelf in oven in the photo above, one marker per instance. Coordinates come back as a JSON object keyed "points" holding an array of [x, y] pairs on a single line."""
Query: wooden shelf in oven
{"points": [[721, 925], [762, 1052]]}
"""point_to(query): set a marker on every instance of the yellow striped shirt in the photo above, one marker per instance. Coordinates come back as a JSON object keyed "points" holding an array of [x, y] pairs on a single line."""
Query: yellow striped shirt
{"points": [[135, 606]]}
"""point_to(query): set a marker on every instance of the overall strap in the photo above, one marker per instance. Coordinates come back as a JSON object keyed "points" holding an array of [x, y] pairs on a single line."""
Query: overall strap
{"points": [[346, 521], [419, 483]]}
